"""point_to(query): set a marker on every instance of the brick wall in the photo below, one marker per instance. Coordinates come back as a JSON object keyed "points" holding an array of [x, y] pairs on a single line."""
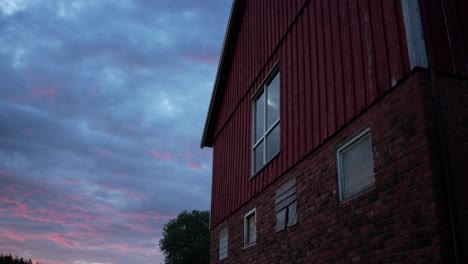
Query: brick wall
{"points": [[454, 101], [399, 220]]}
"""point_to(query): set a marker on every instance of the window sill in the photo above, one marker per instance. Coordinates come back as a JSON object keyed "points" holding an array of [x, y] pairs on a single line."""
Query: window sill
{"points": [[250, 245], [355, 195], [265, 165]]}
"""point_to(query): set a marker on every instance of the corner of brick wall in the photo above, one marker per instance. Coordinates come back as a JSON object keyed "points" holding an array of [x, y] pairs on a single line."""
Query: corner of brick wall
{"points": [[454, 101]]}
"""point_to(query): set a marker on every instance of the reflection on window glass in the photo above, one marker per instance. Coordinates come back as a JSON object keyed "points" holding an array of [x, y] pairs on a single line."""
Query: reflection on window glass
{"points": [[273, 142], [260, 117], [258, 153], [273, 102]]}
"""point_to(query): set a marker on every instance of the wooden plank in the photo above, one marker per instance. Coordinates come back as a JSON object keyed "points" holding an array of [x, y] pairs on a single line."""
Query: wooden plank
{"points": [[462, 13], [229, 193], [277, 22], [307, 81], [347, 59], [329, 69], [368, 51], [270, 31], [267, 29], [338, 64], [414, 31], [301, 82], [214, 188], [283, 17], [392, 39], [222, 198], [247, 148], [283, 109], [289, 96], [321, 72], [455, 21], [248, 116], [401, 30], [315, 77], [295, 94], [240, 125], [356, 47], [380, 48]]}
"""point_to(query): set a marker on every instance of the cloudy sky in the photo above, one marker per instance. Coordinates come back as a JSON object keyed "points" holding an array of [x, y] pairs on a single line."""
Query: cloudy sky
{"points": [[102, 107]]}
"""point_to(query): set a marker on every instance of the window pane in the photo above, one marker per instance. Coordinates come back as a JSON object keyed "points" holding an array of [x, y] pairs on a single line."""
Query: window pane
{"points": [[260, 117], [258, 159], [273, 102], [223, 243], [357, 166], [273, 142], [292, 215], [252, 232], [281, 220]]}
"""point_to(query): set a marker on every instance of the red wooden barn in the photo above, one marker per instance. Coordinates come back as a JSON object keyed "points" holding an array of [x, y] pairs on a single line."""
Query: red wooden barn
{"points": [[340, 133]]}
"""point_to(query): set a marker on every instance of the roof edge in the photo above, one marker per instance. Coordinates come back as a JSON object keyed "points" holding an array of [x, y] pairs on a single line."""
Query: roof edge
{"points": [[207, 137]]}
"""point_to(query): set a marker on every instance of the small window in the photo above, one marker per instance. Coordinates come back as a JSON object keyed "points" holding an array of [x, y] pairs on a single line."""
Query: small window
{"points": [[286, 205], [355, 165], [266, 119], [250, 228], [223, 243]]}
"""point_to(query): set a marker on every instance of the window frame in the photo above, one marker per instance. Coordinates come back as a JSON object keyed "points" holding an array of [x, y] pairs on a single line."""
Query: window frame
{"points": [[263, 89], [340, 169], [226, 230], [251, 213]]}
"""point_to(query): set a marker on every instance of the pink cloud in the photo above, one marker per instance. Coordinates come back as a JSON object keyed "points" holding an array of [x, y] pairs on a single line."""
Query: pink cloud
{"points": [[194, 166], [45, 92], [203, 58], [111, 188], [71, 181], [10, 190], [120, 174], [31, 193], [104, 153], [5, 174], [137, 196], [127, 192], [161, 155], [142, 217]]}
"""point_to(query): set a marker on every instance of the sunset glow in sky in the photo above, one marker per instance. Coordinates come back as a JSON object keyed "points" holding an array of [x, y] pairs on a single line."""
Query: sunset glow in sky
{"points": [[102, 107]]}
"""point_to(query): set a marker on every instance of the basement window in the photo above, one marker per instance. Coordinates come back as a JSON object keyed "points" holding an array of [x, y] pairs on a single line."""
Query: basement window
{"points": [[223, 243], [250, 228], [286, 205], [266, 122], [355, 165]]}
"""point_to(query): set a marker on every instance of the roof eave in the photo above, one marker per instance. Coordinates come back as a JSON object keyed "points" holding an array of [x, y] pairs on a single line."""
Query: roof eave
{"points": [[207, 137]]}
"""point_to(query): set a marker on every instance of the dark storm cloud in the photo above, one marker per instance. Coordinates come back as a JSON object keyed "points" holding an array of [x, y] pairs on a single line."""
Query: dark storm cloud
{"points": [[102, 107]]}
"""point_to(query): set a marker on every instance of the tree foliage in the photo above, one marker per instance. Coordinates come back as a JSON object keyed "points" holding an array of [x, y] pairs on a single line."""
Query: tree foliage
{"points": [[186, 239], [9, 259]]}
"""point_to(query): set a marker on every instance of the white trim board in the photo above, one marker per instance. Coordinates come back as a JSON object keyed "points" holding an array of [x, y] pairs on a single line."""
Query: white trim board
{"points": [[414, 34]]}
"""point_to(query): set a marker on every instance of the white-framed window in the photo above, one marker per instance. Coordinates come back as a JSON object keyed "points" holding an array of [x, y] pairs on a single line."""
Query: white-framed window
{"points": [[266, 121], [355, 165], [286, 205], [250, 228], [223, 243]]}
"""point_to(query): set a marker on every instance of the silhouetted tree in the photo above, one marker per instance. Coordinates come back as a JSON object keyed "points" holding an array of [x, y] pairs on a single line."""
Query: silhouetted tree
{"points": [[9, 259], [186, 239]]}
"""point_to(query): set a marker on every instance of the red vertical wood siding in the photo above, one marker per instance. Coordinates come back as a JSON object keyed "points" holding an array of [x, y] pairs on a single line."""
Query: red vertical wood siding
{"points": [[335, 58], [445, 26]]}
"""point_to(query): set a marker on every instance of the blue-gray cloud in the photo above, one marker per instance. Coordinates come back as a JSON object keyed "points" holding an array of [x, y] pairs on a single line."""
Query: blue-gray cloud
{"points": [[103, 104]]}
